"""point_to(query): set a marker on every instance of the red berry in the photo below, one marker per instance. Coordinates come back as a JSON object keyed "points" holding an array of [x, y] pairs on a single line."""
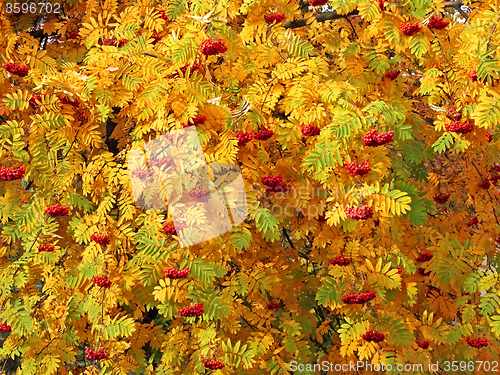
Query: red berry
{"points": [[477, 342], [243, 138], [423, 344], [437, 23], [273, 306], [7, 174], [340, 260], [57, 210], [110, 42], [5, 328], [356, 169], [275, 184], [424, 257], [453, 114], [373, 336], [65, 100], [317, 3], [96, 355], [484, 185], [473, 76], [400, 270], [459, 127], [489, 136], [409, 29], [374, 139], [264, 134], [199, 195], [101, 240], [209, 47], [18, 70], [171, 230], [393, 75], [73, 35], [381, 4], [172, 273], [422, 272], [192, 311], [358, 298], [163, 15], [359, 213], [472, 222], [33, 101], [46, 248], [196, 120], [310, 130], [156, 38], [441, 197], [102, 281], [275, 18]]}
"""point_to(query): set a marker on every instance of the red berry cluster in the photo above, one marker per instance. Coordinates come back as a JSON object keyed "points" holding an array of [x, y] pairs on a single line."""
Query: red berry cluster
{"points": [[243, 138], [374, 139], [467, 294], [494, 179], [212, 364], [459, 127], [101, 240], [400, 270], [376, 222], [409, 29], [453, 114], [356, 169], [5, 328], [340, 260], [495, 168], [273, 306], [477, 342], [275, 18], [264, 134], [110, 42], [393, 75], [437, 23], [67, 101], [7, 174], [73, 35], [46, 247], [163, 15], [156, 38], [473, 76], [33, 100], [473, 221], [373, 336], [423, 344], [310, 130], [57, 210], [209, 47], [197, 120], [359, 213], [317, 3], [171, 230], [102, 281], [169, 162], [275, 184], [185, 68], [18, 70], [322, 218], [96, 355], [489, 136], [424, 257], [141, 174], [441, 197], [484, 185], [190, 311], [174, 274], [422, 272], [199, 195], [122, 42], [358, 298], [381, 4]]}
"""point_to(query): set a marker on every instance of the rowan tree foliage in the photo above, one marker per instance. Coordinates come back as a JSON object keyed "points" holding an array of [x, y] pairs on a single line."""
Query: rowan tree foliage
{"points": [[391, 260]]}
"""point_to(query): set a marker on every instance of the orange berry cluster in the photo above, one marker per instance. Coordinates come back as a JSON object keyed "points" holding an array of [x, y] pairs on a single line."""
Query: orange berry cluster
{"points": [[374, 139], [359, 213], [459, 127], [199, 195], [102, 281], [210, 48], [275, 18], [473, 221], [191, 311], [96, 355], [197, 120], [7, 174], [46, 247], [275, 184], [484, 185], [477, 342], [264, 134], [373, 336], [101, 240], [18, 70], [143, 174], [317, 3], [243, 138], [409, 29], [33, 100], [310, 130], [57, 210], [424, 257], [358, 298], [441, 197], [423, 344], [437, 23], [453, 114], [273, 306], [393, 75], [5, 328], [356, 169], [212, 364], [172, 273], [340, 260]]}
